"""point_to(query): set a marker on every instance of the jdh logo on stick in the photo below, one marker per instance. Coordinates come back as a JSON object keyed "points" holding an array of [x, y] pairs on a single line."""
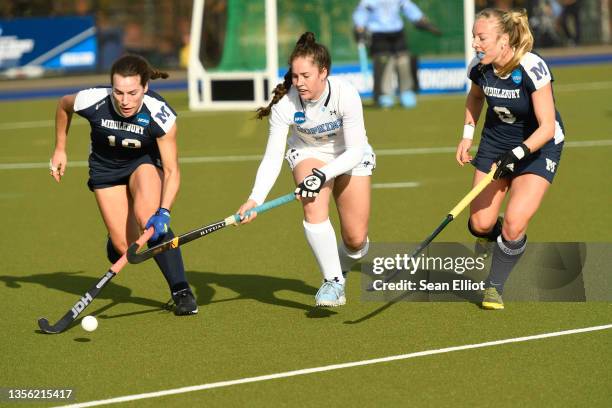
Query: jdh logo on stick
{"points": [[81, 305]]}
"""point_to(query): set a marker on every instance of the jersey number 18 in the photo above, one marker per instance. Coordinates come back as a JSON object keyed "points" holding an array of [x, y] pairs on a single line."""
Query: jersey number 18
{"points": [[129, 143]]}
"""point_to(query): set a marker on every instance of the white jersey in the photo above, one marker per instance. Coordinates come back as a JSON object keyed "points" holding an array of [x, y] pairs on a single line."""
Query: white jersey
{"points": [[332, 124]]}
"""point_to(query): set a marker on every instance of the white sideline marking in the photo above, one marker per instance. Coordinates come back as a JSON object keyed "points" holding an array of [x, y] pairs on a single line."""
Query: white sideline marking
{"points": [[331, 367], [586, 86], [406, 184], [256, 157]]}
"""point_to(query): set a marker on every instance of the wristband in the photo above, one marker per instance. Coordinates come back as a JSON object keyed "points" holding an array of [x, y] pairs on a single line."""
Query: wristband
{"points": [[521, 151], [468, 131]]}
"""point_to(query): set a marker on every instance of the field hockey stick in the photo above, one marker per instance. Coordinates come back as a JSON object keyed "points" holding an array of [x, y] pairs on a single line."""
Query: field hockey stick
{"points": [[134, 257], [363, 61], [91, 294], [449, 217]]}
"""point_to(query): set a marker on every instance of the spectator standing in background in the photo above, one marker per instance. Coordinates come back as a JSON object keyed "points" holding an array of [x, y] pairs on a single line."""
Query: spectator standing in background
{"points": [[381, 20]]}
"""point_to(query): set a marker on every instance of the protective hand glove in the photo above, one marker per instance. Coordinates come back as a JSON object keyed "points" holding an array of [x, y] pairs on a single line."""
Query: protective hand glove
{"points": [[360, 35], [311, 185], [506, 163], [160, 221]]}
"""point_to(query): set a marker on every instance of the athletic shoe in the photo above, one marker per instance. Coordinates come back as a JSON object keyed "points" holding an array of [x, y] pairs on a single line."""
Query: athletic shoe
{"points": [[408, 99], [386, 101], [492, 300], [185, 303], [330, 294], [483, 248]]}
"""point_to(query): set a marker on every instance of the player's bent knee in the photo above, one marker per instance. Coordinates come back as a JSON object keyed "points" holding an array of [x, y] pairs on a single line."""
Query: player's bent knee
{"points": [[356, 252], [514, 227], [355, 242], [481, 229], [513, 233], [114, 251], [315, 212]]}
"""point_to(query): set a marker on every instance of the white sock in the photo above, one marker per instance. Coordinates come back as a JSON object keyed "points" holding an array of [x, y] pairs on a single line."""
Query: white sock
{"points": [[322, 240], [348, 258]]}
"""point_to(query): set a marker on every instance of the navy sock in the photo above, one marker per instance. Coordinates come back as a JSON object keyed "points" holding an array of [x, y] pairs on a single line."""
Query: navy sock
{"points": [[491, 235], [506, 254], [111, 253], [171, 264]]}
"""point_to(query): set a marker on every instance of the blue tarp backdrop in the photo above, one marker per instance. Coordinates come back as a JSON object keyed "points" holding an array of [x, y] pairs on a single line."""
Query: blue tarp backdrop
{"points": [[50, 43]]}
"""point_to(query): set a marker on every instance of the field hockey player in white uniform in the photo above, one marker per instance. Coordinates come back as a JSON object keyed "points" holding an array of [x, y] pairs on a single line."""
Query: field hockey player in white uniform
{"points": [[328, 153]]}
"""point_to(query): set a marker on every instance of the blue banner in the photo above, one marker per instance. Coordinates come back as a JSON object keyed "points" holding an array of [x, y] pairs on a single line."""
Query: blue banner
{"points": [[434, 76], [49, 43]]}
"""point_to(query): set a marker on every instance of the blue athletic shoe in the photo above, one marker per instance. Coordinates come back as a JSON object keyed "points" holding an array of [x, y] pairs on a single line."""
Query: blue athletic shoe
{"points": [[408, 99], [386, 101], [330, 294]]}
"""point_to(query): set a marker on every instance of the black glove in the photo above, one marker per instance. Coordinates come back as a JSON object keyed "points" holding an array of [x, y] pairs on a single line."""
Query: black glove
{"points": [[311, 185], [425, 24], [506, 162]]}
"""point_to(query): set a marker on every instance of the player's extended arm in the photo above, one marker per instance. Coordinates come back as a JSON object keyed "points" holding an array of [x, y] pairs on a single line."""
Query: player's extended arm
{"points": [[172, 174], [473, 108], [426, 25], [473, 105], [63, 117], [544, 109]]}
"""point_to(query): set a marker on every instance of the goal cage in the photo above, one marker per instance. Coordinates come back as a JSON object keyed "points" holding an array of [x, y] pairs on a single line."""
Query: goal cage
{"points": [[237, 47]]}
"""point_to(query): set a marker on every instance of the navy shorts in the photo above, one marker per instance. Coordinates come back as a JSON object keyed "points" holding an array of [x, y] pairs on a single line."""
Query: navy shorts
{"points": [[388, 43], [104, 174], [544, 162]]}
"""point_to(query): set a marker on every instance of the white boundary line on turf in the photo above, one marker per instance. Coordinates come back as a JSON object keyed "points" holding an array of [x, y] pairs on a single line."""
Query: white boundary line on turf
{"points": [[256, 157], [331, 367], [401, 184], [586, 86]]}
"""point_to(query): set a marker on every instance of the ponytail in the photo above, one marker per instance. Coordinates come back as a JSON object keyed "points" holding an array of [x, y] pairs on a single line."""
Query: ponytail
{"points": [[515, 23], [306, 46], [155, 74], [521, 38], [278, 92]]}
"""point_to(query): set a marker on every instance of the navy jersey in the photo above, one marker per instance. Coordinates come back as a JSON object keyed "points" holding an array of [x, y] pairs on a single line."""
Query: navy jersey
{"points": [[116, 140], [510, 117]]}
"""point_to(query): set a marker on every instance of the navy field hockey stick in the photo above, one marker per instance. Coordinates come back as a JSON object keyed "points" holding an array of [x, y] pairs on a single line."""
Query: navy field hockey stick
{"points": [[134, 257], [447, 220], [90, 295]]}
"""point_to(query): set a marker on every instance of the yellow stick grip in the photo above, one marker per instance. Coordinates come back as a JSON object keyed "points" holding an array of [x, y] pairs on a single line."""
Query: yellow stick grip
{"points": [[473, 193]]}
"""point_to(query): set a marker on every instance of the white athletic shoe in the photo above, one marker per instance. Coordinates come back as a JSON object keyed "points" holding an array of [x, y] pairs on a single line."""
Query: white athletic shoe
{"points": [[330, 294]]}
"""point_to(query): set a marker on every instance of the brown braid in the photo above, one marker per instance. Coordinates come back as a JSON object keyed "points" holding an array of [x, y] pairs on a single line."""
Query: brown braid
{"points": [[306, 46], [132, 65], [278, 92], [156, 73]]}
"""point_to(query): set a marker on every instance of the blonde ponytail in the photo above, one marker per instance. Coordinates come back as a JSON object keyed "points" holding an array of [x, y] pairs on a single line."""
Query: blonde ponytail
{"points": [[515, 23]]}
